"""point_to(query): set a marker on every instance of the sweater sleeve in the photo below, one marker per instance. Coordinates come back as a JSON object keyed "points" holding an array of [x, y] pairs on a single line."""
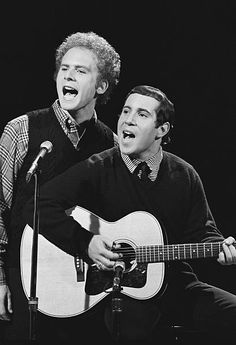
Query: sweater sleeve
{"points": [[58, 195], [201, 226]]}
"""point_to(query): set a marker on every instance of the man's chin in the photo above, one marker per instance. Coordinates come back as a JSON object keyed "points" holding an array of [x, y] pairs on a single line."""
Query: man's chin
{"points": [[68, 104], [68, 107], [126, 151]]}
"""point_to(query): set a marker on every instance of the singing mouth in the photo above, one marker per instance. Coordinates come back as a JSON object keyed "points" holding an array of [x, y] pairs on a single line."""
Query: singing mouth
{"points": [[128, 135], [69, 92]]}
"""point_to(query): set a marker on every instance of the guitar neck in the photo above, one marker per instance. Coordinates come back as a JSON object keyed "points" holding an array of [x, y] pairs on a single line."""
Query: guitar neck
{"points": [[161, 253]]}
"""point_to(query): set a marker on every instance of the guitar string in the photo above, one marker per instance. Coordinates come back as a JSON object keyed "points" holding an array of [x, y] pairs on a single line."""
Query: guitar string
{"points": [[166, 251], [172, 247], [171, 250]]}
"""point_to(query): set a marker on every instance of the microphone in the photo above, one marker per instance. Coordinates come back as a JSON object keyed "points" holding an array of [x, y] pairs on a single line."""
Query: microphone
{"points": [[45, 147], [119, 268]]}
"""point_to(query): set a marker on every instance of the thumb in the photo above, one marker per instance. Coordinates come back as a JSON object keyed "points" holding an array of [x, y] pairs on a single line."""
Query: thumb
{"points": [[9, 304]]}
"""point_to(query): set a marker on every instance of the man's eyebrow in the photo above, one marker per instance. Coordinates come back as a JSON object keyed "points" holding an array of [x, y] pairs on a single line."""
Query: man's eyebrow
{"points": [[144, 109], [76, 66], [138, 109]]}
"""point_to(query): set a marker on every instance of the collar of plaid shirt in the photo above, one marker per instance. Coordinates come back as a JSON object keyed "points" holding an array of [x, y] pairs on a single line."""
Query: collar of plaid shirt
{"points": [[153, 163], [74, 131]]}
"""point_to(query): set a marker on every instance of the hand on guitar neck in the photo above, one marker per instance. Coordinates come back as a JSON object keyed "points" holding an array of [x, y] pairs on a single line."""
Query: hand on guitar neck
{"points": [[228, 254]]}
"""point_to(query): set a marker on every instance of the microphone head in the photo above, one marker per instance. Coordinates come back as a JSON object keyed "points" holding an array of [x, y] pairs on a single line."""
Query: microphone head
{"points": [[119, 265], [47, 145]]}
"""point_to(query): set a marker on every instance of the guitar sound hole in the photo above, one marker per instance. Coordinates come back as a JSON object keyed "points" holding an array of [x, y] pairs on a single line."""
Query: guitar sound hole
{"points": [[135, 275], [128, 253]]}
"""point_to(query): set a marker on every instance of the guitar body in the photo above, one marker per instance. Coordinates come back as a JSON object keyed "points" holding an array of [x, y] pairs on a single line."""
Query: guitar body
{"points": [[59, 292]]}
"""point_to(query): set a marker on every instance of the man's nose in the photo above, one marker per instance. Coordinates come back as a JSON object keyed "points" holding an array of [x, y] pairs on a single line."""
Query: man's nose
{"points": [[70, 74], [131, 118]]}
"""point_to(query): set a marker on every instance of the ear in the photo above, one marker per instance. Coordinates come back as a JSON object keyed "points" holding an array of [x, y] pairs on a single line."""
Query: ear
{"points": [[162, 130], [103, 85]]}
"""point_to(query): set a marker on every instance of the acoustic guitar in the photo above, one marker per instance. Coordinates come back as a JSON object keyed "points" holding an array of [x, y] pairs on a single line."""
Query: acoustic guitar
{"points": [[61, 290]]}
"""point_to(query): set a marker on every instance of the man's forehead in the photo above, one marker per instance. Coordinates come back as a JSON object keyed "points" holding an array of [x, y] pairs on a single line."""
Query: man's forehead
{"points": [[136, 100], [79, 56]]}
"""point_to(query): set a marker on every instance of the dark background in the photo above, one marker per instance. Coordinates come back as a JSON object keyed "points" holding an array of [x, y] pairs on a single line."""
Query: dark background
{"points": [[186, 48]]}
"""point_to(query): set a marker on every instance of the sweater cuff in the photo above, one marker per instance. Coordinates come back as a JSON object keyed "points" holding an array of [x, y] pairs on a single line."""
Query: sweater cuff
{"points": [[83, 238]]}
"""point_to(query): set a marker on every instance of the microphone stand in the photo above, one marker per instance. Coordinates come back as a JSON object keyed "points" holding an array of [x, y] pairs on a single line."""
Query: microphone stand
{"points": [[117, 301], [33, 300]]}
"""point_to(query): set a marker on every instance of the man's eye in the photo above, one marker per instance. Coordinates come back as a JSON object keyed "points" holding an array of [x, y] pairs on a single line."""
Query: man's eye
{"points": [[143, 114], [81, 71]]}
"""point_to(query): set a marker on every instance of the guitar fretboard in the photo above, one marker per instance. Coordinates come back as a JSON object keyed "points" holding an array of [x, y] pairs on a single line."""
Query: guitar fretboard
{"points": [[160, 253]]}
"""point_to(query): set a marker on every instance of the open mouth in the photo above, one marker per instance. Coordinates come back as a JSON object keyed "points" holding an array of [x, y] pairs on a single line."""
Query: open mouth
{"points": [[127, 135], [69, 92]]}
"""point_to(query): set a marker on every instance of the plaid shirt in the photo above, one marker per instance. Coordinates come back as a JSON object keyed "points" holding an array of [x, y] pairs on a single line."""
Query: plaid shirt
{"points": [[13, 149], [153, 163]]}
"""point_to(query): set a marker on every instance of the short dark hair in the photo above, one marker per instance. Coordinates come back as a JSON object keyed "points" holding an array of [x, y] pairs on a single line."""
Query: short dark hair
{"points": [[165, 112], [108, 59]]}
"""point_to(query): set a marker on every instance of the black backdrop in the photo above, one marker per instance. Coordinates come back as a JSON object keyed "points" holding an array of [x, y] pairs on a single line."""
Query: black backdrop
{"points": [[186, 48]]}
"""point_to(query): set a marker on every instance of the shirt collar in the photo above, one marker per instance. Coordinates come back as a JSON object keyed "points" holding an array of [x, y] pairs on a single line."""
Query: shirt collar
{"points": [[153, 163], [63, 115]]}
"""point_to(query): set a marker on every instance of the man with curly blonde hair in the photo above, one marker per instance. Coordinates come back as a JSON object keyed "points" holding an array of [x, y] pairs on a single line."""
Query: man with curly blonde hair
{"points": [[87, 70]]}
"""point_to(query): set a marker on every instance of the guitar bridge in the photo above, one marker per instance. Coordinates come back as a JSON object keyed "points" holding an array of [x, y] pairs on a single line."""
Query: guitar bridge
{"points": [[79, 267]]}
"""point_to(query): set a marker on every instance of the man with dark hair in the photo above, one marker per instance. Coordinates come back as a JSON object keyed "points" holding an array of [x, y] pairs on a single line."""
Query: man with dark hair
{"points": [[87, 70], [130, 188]]}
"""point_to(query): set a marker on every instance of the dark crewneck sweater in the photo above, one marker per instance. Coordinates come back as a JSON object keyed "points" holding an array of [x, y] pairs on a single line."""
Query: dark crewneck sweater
{"points": [[104, 185]]}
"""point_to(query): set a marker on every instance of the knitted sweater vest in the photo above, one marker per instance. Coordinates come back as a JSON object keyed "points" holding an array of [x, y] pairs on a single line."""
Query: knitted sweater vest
{"points": [[44, 126]]}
